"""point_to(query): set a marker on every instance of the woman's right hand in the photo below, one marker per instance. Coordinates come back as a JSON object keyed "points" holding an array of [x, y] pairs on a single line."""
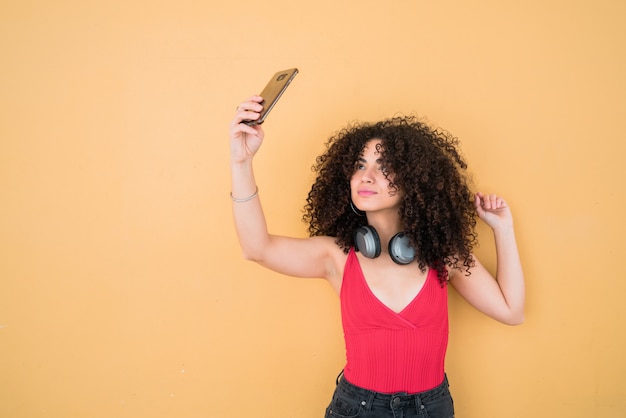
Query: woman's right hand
{"points": [[246, 140]]}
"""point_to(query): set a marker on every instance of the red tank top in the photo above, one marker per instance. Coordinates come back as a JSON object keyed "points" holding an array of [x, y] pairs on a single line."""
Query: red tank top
{"points": [[392, 352]]}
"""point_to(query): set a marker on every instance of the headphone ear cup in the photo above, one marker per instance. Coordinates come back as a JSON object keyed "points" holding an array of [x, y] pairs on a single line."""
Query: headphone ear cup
{"points": [[367, 241], [400, 249]]}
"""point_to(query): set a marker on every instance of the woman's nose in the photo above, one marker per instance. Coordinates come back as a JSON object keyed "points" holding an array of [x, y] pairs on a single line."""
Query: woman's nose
{"points": [[367, 176]]}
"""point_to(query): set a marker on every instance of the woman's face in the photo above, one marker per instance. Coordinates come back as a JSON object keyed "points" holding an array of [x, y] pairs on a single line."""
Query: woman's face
{"points": [[370, 181]]}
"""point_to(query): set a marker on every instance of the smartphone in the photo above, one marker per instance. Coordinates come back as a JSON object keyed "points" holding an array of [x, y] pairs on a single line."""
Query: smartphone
{"points": [[272, 92]]}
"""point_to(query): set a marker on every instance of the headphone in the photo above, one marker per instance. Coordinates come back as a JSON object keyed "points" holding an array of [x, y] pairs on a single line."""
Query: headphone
{"points": [[367, 242]]}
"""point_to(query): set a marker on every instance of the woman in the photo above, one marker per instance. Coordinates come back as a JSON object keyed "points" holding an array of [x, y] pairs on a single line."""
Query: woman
{"points": [[391, 218]]}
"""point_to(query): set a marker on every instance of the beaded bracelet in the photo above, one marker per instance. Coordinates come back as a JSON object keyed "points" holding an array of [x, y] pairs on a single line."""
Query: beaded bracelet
{"points": [[245, 199]]}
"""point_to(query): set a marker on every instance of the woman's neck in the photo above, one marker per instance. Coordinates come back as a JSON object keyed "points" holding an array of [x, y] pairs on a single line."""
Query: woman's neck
{"points": [[387, 226]]}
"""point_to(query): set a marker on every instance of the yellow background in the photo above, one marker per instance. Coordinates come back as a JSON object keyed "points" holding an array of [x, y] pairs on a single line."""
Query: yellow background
{"points": [[122, 288]]}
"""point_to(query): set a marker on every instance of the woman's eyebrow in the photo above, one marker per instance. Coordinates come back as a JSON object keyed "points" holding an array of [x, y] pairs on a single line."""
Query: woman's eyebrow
{"points": [[377, 161]]}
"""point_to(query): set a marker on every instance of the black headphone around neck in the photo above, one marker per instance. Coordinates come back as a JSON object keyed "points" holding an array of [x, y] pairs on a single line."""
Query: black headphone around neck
{"points": [[367, 242]]}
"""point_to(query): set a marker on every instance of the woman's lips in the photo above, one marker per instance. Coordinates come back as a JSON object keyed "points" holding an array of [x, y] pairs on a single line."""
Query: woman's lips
{"points": [[366, 193]]}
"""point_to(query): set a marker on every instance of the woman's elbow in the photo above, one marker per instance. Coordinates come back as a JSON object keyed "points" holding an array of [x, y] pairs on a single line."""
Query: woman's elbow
{"points": [[251, 256]]}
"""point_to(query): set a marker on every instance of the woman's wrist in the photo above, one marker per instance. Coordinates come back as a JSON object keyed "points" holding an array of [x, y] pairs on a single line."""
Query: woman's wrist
{"points": [[245, 199], [246, 162]]}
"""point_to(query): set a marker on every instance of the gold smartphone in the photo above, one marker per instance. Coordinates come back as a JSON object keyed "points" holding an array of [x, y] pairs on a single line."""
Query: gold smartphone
{"points": [[272, 92]]}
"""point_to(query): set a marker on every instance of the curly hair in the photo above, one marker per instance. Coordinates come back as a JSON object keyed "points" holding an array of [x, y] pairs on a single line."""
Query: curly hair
{"points": [[437, 212]]}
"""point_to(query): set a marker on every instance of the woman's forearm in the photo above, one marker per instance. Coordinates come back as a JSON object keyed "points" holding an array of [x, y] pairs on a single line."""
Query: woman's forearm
{"points": [[248, 214], [509, 272]]}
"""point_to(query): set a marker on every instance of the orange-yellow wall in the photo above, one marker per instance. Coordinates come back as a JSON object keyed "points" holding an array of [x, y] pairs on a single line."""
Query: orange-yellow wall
{"points": [[122, 289]]}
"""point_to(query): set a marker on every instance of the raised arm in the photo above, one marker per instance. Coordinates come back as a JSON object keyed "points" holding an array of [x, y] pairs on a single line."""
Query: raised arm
{"points": [[300, 257], [502, 297], [245, 141]]}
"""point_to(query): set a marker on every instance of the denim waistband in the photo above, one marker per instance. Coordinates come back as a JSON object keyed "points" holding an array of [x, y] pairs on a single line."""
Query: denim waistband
{"points": [[369, 397]]}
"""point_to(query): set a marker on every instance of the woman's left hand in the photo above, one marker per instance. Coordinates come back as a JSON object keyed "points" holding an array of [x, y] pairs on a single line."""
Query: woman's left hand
{"points": [[493, 210]]}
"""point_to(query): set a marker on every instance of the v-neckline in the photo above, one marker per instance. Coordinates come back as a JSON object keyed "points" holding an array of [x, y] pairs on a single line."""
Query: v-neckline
{"points": [[379, 301]]}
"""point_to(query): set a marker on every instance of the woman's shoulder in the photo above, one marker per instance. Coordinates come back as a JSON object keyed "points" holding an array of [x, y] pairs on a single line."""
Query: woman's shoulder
{"points": [[338, 257]]}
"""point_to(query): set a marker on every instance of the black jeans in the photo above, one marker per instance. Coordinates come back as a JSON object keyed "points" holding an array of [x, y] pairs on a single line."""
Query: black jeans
{"points": [[350, 401]]}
